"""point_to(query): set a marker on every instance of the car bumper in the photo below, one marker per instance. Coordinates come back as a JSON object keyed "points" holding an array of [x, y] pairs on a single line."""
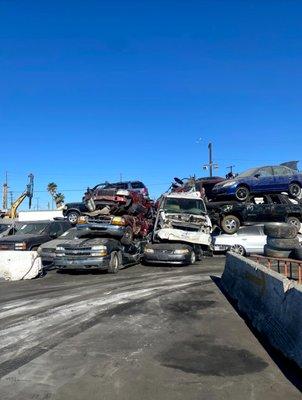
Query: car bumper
{"points": [[164, 255], [86, 263], [224, 191]]}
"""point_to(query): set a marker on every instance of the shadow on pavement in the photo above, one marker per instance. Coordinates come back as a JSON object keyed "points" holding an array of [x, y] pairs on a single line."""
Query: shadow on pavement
{"points": [[289, 368]]}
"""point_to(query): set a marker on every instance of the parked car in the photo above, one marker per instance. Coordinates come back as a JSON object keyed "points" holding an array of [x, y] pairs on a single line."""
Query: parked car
{"points": [[95, 253], [31, 235], [72, 211], [257, 209], [247, 240], [102, 188], [269, 179], [47, 250]]}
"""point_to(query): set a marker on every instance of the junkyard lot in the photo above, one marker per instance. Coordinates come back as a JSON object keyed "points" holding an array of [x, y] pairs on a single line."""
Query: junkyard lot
{"points": [[147, 332]]}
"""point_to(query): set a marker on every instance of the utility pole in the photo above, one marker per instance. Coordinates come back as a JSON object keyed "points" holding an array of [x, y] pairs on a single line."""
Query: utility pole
{"points": [[230, 167], [210, 165], [5, 191]]}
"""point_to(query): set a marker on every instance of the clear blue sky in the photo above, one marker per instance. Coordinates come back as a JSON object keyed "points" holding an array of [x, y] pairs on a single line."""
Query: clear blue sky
{"points": [[92, 89]]}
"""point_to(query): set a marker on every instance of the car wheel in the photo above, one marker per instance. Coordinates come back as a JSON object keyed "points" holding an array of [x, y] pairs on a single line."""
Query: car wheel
{"points": [[280, 230], [282, 244], [242, 193], [230, 224], [294, 189], [269, 252], [192, 257], [294, 221], [73, 216], [114, 263], [238, 249]]}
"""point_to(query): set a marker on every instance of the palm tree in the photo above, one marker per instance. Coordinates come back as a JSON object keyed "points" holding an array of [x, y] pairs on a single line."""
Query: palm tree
{"points": [[52, 188], [59, 199]]}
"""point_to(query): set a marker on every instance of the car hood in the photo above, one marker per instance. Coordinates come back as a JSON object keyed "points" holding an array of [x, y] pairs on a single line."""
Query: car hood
{"points": [[83, 242], [22, 238], [54, 243]]}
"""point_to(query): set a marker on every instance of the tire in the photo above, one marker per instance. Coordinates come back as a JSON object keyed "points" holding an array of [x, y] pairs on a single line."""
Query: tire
{"points": [[230, 224], [238, 249], [127, 239], [294, 221], [282, 244], [280, 230], [269, 252], [242, 193], [297, 253], [294, 190], [73, 216], [114, 263], [192, 258]]}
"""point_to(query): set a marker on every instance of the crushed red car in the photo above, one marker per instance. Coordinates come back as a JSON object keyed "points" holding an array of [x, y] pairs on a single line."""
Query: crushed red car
{"points": [[119, 213]]}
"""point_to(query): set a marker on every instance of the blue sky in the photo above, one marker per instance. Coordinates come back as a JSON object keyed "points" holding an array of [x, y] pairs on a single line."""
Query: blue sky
{"points": [[93, 89]]}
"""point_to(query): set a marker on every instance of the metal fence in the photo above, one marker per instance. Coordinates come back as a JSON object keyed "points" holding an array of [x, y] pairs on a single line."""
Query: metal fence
{"points": [[290, 268]]}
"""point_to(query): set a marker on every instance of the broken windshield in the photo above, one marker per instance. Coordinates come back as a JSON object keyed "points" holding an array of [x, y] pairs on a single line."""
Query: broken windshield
{"points": [[184, 206]]}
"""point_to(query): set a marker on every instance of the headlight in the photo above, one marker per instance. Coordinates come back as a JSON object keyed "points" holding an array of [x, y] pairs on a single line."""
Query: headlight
{"points": [[120, 221], [20, 246], [228, 184], [82, 220], [148, 250], [181, 251], [98, 251]]}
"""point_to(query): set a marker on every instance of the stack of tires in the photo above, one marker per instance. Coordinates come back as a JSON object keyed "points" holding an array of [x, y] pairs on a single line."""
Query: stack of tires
{"points": [[282, 241]]}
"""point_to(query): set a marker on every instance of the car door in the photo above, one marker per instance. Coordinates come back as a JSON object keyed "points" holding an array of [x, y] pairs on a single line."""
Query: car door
{"points": [[258, 209], [278, 208], [252, 239], [263, 180], [282, 176]]}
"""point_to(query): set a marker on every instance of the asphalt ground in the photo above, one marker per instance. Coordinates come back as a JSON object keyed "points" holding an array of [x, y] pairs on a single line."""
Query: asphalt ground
{"points": [[145, 333]]}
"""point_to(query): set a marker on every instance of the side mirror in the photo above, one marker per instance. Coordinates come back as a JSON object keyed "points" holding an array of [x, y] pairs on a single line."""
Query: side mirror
{"points": [[53, 235], [257, 175]]}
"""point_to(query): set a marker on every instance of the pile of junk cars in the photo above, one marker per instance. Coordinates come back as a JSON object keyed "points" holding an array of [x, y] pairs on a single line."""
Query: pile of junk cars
{"points": [[117, 224]]}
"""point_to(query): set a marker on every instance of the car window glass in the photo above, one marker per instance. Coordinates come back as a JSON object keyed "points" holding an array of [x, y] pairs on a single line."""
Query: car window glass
{"points": [[249, 231], [137, 185], [56, 229], [282, 171], [265, 171]]}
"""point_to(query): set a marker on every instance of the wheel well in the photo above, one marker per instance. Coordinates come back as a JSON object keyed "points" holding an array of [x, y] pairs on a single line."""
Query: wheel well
{"points": [[233, 215], [294, 215], [296, 182], [73, 210], [243, 185]]}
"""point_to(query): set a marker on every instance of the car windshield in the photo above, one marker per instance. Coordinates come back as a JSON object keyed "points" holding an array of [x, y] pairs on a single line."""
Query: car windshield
{"points": [[249, 172], [4, 227], [32, 228], [70, 234], [184, 206]]}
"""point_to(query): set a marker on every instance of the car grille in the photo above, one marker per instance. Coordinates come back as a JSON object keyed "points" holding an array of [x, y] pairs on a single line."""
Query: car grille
{"points": [[185, 227], [77, 251], [7, 246]]}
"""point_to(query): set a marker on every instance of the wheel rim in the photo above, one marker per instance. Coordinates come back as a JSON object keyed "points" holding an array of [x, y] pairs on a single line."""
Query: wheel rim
{"points": [[73, 218], [238, 249], [295, 190], [115, 263], [230, 224], [294, 222], [193, 257], [241, 193]]}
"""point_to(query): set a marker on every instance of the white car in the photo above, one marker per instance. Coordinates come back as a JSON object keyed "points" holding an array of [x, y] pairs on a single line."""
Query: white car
{"points": [[247, 240]]}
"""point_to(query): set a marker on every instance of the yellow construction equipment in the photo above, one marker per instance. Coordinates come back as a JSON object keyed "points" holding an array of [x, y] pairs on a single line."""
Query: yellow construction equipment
{"points": [[28, 192]]}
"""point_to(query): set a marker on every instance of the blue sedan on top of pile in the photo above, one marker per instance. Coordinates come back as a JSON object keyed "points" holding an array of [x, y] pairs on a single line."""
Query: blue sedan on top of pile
{"points": [[270, 179]]}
